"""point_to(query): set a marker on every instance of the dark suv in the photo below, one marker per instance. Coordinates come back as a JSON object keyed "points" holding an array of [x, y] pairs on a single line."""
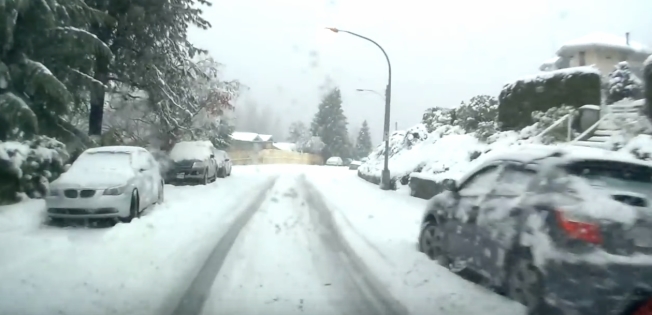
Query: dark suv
{"points": [[562, 231]]}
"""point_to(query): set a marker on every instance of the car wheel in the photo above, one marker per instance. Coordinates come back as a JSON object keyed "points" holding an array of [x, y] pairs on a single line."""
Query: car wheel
{"points": [[525, 285], [134, 211], [432, 243], [221, 173], [205, 179], [161, 194]]}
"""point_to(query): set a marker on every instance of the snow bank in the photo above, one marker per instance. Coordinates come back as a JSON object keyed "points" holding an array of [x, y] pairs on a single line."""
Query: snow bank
{"points": [[447, 152]]}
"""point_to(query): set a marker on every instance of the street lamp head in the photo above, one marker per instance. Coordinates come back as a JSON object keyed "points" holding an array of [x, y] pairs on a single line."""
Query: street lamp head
{"points": [[332, 29]]}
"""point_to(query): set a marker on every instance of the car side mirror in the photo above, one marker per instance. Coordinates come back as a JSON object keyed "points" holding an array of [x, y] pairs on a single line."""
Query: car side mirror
{"points": [[212, 156], [227, 160], [450, 185]]}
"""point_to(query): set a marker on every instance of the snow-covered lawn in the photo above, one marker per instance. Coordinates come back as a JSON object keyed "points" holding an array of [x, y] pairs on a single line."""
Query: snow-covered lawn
{"points": [[135, 268], [383, 227]]}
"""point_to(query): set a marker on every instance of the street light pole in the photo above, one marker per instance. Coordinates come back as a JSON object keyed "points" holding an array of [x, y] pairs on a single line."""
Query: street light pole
{"points": [[385, 176], [371, 91]]}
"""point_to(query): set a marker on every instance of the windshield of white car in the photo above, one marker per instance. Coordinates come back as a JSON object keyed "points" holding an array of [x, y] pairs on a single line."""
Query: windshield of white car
{"points": [[111, 161]]}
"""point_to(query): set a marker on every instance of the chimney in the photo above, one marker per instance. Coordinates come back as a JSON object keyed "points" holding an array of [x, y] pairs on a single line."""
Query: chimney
{"points": [[627, 38]]}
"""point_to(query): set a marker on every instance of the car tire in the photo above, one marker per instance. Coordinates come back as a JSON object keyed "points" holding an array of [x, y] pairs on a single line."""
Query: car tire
{"points": [[432, 243], [204, 181], [221, 173], [134, 211], [524, 283], [161, 194]]}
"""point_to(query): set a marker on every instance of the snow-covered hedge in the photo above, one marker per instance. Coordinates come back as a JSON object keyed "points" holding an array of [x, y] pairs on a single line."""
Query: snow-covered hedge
{"points": [[575, 87], [28, 166]]}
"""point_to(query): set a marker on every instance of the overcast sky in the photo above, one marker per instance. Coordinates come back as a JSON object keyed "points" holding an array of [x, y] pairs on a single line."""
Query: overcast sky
{"points": [[442, 52]]}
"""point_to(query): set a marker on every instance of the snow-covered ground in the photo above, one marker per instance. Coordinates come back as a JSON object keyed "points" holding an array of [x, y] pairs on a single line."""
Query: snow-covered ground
{"points": [[127, 269], [383, 227], [322, 241]]}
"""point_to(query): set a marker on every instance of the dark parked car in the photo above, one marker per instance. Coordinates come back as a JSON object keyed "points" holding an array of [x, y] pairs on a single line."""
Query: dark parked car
{"points": [[562, 232], [223, 163], [192, 162]]}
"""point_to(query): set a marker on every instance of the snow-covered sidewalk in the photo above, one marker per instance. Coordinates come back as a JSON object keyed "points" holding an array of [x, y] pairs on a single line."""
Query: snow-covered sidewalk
{"points": [[383, 227], [135, 268]]}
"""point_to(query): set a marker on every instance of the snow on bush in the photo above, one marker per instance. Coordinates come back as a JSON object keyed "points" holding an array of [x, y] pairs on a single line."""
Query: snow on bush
{"points": [[623, 84], [640, 147], [28, 166]]}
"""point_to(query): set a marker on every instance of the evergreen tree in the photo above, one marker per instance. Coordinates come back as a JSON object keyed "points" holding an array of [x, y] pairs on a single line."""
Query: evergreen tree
{"points": [[623, 84], [330, 125], [363, 143]]}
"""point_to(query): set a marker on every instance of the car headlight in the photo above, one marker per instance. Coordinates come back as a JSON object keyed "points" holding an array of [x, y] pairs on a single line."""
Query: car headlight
{"points": [[198, 165], [115, 191]]}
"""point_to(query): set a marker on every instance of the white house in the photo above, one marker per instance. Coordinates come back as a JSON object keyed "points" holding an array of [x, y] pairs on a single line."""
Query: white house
{"points": [[602, 50]]}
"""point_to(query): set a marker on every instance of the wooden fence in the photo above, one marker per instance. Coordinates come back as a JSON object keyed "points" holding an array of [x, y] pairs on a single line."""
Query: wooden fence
{"points": [[268, 156]]}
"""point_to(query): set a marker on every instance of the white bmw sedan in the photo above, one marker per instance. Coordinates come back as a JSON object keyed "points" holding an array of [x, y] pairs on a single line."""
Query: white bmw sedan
{"points": [[107, 182]]}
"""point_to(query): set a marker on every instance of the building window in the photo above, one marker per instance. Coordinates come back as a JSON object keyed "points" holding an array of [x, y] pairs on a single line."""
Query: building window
{"points": [[582, 58]]}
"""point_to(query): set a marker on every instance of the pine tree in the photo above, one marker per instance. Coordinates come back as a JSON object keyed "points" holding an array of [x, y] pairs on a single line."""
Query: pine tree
{"points": [[363, 144], [330, 125], [623, 84]]}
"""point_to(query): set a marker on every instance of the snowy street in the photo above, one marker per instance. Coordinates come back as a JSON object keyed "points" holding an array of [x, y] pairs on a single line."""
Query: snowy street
{"points": [[273, 239]]}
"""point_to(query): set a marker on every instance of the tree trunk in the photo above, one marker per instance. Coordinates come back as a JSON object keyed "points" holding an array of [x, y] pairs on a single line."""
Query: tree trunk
{"points": [[647, 77], [96, 115]]}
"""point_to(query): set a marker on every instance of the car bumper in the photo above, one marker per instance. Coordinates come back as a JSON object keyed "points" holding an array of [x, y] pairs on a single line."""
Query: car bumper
{"points": [[96, 207], [583, 288], [184, 176]]}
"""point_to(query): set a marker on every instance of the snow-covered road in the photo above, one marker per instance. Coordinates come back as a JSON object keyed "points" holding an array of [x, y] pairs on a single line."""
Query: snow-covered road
{"points": [[268, 240]]}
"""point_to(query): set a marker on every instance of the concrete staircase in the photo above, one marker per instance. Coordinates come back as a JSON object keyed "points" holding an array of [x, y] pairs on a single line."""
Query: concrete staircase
{"points": [[598, 135]]}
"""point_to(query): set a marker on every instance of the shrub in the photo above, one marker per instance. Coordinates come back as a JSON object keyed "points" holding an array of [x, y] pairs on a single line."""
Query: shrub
{"points": [[572, 87], [28, 166]]}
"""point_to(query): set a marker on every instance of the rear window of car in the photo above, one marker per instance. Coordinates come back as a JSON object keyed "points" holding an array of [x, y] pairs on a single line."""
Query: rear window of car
{"points": [[614, 175]]}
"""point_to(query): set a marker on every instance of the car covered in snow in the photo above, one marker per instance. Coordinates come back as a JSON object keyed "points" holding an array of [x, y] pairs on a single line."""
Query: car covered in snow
{"points": [[354, 165], [106, 182], [192, 162], [224, 164], [335, 161], [560, 230]]}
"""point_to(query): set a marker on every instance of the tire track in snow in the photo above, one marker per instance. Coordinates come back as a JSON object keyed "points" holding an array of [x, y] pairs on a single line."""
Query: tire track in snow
{"points": [[372, 297], [193, 299]]}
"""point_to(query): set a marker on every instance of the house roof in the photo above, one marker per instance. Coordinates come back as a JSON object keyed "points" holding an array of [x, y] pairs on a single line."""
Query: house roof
{"points": [[285, 146], [249, 136], [603, 40]]}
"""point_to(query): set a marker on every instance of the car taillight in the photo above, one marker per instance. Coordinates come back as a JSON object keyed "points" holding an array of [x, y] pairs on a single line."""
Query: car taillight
{"points": [[585, 231]]}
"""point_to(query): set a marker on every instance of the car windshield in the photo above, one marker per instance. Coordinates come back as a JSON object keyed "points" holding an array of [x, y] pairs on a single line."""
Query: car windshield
{"points": [[615, 175], [109, 161], [190, 151]]}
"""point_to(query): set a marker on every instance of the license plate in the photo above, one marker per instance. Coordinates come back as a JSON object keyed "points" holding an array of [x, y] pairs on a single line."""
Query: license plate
{"points": [[181, 176], [642, 237]]}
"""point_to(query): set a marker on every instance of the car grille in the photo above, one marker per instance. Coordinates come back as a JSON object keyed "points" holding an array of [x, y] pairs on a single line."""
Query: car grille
{"points": [[87, 193], [70, 193], [73, 193]]}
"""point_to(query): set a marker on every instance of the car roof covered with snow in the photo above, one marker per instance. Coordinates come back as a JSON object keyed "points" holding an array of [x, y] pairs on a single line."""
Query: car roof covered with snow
{"points": [[527, 153], [115, 149]]}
